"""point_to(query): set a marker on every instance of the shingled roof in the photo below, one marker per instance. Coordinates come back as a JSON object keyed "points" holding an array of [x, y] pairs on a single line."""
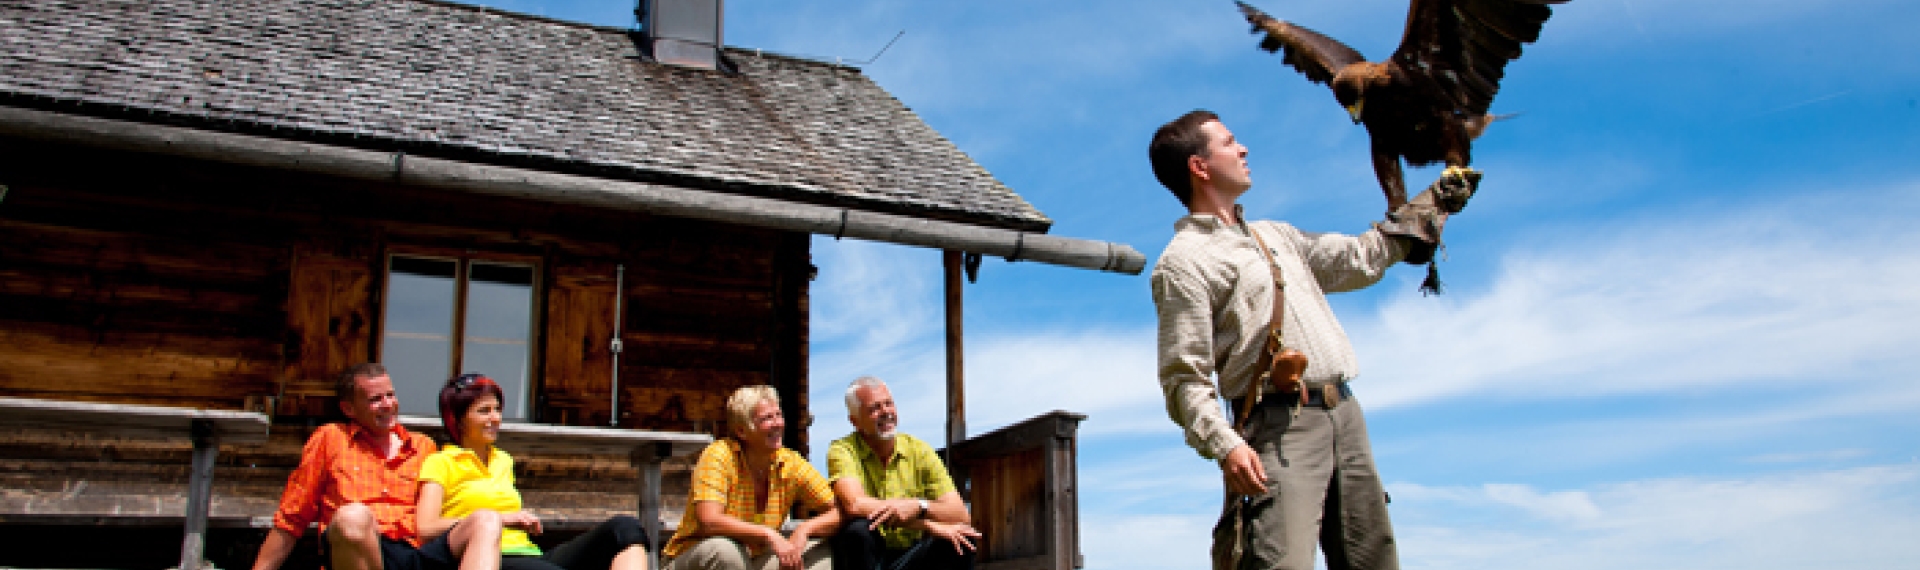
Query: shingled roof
{"points": [[466, 82]]}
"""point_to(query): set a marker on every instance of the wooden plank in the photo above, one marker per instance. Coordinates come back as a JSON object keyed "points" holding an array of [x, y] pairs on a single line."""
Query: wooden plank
{"points": [[1008, 497], [696, 411], [178, 369], [1029, 433], [546, 438], [577, 387], [1023, 485], [1027, 563], [130, 419], [330, 323]]}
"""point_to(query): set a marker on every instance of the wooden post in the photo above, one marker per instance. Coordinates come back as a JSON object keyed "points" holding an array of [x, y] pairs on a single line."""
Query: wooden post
{"points": [[956, 384], [206, 445], [649, 456]]}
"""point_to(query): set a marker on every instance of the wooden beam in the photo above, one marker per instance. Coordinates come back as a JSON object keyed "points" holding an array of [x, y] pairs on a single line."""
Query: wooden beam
{"points": [[956, 381], [519, 183], [159, 422]]}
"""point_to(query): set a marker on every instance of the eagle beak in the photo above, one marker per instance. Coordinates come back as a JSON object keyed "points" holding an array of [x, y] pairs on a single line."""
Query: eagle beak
{"points": [[1354, 110]]}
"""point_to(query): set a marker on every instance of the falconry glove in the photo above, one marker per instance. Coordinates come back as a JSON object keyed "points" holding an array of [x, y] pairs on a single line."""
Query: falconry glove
{"points": [[1419, 222]]}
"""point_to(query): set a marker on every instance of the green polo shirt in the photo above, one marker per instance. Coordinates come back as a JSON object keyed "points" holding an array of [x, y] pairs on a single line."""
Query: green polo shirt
{"points": [[916, 472]]}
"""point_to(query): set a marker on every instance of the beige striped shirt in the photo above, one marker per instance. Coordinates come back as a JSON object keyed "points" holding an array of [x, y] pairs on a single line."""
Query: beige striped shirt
{"points": [[1214, 294]]}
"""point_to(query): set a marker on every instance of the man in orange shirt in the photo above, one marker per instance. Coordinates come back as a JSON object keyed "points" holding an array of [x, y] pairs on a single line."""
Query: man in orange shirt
{"points": [[359, 480]]}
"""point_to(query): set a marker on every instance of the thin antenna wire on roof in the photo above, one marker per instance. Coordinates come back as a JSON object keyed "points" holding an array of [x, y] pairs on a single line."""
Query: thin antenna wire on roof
{"points": [[883, 50]]}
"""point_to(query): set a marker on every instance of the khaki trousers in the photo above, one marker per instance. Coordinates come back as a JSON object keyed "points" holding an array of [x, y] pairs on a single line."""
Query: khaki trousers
{"points": [[720, 553], [1324, 488]]}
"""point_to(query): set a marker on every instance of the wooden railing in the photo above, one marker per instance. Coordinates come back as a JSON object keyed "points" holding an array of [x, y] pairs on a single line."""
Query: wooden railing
{"points": [[1023, 484], [207, 429]]}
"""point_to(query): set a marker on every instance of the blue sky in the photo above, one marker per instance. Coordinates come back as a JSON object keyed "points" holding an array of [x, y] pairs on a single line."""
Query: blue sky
{"points": [[1680, 317]]}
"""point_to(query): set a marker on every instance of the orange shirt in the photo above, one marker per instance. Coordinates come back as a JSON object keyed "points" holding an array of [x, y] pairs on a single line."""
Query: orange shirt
{"points": [[340, 466]]}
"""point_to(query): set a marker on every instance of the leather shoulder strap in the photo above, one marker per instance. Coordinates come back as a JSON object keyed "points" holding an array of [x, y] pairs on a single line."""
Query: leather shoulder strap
{"points": [[1272, 346]]}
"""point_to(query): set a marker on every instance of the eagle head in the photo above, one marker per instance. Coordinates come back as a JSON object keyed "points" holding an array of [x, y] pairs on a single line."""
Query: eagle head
{"points": [[1350, 86]]}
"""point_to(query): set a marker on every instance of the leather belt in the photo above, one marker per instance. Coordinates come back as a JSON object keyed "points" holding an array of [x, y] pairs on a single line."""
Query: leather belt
{"points": [[1327, 395]]}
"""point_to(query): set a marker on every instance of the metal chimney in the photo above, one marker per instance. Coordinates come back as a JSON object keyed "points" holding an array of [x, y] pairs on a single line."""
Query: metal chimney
{"points": [[682, 32]]}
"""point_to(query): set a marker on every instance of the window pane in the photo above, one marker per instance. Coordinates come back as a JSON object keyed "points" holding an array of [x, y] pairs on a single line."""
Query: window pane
{"points": [[499, 324], [417, 343]]}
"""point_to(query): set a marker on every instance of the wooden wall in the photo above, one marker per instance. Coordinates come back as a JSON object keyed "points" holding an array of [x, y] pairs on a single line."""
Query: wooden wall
{"points": [[139, 279]]}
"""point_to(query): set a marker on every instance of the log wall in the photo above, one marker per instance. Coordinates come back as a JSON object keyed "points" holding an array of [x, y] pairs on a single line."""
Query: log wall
{"points": [[136, 279]]}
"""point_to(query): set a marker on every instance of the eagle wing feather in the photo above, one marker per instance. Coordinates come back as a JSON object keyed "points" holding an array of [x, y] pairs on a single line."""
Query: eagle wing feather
{"points": [[1315, 55], [1463, 46]]}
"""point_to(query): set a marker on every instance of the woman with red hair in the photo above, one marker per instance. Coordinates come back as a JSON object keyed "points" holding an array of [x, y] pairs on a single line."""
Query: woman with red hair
{"points": [[470, 474]]}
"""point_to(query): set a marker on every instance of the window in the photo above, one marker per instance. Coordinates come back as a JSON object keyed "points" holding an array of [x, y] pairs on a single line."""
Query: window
{"points": [[457, 313]]}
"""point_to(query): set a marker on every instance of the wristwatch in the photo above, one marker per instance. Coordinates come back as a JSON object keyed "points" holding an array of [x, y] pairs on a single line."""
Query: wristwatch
{"points": [[923, 509]]}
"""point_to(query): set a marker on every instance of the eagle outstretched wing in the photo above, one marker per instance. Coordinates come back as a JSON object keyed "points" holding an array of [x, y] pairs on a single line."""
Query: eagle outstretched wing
{"points": [[1428, 101], [1316, 56], [1465, 45]]}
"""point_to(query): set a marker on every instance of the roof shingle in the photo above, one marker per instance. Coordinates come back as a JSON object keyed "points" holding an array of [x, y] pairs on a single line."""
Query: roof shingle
{"points": [[475, 83]]}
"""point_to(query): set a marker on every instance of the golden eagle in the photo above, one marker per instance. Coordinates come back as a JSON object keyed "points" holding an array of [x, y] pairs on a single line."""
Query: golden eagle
{"points": [[1429, 100]]}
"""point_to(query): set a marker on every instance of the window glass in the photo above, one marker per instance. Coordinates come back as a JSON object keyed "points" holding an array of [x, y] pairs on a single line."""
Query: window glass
{"points": [[417, 345], [499, 323]]}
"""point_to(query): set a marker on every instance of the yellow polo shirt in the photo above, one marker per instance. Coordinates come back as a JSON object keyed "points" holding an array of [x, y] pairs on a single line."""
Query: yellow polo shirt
{"points": [[472, 485], [720, 476], [915, 472]]}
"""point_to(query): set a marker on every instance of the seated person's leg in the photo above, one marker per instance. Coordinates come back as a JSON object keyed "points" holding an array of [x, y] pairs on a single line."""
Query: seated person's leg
{"points": [[431, 555], [715, 553], [353, 539], [857, 546], [818, 555], [520, 562], [619, 543], [474, 542], [935, 553]]}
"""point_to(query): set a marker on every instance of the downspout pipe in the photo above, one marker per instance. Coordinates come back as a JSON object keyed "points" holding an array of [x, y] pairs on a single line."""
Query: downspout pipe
{"points": [[526, 184]]}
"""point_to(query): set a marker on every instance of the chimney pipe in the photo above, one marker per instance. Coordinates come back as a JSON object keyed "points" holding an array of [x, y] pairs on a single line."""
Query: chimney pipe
{"points": [[682, 32]]}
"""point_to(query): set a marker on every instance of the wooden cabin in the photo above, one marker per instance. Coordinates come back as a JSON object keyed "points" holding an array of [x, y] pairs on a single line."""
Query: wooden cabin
{"points": [[219, 206]]}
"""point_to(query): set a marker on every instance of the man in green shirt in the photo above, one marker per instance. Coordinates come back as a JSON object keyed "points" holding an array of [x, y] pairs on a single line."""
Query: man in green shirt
{"points": [[903, 510]]}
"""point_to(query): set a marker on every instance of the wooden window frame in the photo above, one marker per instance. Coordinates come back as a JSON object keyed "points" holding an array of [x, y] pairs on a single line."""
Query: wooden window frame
{"points": [[463, 260]]}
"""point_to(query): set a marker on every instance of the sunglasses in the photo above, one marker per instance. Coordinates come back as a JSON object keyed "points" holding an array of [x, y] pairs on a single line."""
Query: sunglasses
{"points": [[469, 380]]}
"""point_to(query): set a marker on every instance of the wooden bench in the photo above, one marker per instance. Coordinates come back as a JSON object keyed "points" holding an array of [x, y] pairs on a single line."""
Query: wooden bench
{"points": [[646, 448], [1023, 483], [207, 429]]}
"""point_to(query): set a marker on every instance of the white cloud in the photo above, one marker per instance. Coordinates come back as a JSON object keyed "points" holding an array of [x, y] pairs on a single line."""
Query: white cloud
{"points": [[1563, 505], [1862, 517], [1816, 457], [1146, 541], [876, 312], [1761, 297]]}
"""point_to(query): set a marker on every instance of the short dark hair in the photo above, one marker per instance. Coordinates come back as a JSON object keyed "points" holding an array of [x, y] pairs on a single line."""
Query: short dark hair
{"points": [[459, 395], [343, 388], [1172, 145]]}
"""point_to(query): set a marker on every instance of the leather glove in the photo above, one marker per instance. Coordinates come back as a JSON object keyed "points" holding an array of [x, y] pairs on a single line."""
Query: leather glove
{"points": [[1420, 221]]}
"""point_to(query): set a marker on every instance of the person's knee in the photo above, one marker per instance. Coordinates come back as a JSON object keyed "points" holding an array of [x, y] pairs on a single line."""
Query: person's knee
{"points": [[627, 530], [481, 526], [353, 523], [718, 554], [858, 531]]}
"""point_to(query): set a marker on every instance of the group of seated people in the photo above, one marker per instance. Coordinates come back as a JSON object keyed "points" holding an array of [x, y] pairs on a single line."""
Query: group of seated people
{"points": [[385, 498]]}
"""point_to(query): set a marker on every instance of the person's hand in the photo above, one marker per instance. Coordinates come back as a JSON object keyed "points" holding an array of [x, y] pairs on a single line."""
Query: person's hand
{"points": [[786, 551], [961, 535], [1243, 472], [521, 520], [893, 510], [1454, 187]]}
